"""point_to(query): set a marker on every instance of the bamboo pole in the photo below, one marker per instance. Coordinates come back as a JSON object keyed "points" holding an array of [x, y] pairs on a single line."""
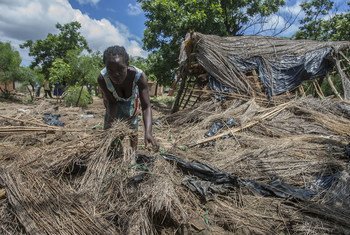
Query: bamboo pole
{"points": [[317, 90], [302, 91], [14, 129], [234, 95], [344, 56], [331, 84], [345, 80]]}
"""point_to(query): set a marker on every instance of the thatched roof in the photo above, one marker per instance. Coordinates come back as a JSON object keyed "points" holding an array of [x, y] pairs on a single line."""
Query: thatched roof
{"points": [[282, 64]]}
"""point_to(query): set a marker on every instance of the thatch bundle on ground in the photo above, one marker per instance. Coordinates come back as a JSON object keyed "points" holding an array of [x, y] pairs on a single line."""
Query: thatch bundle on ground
{"points": [[281, 169]]}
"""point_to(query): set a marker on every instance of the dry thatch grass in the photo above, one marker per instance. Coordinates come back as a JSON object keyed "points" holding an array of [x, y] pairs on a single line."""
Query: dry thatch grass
{"points": [[77, 183]]}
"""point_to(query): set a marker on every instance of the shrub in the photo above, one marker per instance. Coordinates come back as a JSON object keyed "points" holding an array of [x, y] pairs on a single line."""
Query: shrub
{"points": [[72, 95]]}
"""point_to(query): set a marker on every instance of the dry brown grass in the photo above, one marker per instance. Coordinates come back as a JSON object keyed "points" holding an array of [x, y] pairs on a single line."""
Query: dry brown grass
{"points": [[75, 183]]}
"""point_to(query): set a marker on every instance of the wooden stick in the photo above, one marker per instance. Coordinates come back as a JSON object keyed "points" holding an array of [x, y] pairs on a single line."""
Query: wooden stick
{"points": [[189, 96], [345, 80], [270, 114], [34, 129], [316, 89], [302, 91], [2, 193], [344, 56], [319, 88], [331, 84], [25, 121], [233, 95]]}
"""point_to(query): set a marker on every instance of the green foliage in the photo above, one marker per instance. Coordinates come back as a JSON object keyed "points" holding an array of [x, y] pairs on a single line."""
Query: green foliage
{"points": [[163, 101], [140, 63], [327, 90], [160, 68], [54, 46], [28, 77], [84, 68], [152, 68], [168, 21], [31, 76], [59, 71], [317, 27], [76, 69], [10, 61], [72, 96]]}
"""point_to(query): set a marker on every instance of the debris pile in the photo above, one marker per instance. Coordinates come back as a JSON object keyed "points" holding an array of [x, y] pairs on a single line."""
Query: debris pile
{"points": [[266, 170]]}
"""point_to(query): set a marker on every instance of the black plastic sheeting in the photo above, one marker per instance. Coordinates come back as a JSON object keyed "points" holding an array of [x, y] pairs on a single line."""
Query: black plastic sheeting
{"points": [[203, 171], [325, 181], [218, 125], [218, 86], [277, 188], [207, 181], [206, 189], [52, 119], [283, 74], [347, 151]]}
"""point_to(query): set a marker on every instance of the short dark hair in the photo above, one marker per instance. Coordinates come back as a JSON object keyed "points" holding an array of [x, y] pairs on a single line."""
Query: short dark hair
{"points": [[115, 50]]}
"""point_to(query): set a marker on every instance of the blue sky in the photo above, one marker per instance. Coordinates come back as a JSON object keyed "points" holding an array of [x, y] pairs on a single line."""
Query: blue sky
{"points": [[104, 22]]}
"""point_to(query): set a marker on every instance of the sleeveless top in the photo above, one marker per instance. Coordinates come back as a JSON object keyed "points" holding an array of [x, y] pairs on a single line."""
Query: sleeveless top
{"points": [[127, 107]]}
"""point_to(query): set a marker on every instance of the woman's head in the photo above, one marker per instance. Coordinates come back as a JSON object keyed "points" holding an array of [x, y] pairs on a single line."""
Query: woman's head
{"points": [[116, 61]]}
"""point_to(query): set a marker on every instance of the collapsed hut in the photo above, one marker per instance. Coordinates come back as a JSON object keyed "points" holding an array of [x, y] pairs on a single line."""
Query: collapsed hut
{"points": [[257, 66]]}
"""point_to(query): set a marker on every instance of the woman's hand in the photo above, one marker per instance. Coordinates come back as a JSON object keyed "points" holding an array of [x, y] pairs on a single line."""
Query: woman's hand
{"points": [[149, 139]]}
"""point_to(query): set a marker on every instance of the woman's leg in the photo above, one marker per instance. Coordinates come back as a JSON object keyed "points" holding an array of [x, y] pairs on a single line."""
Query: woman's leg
{"points": [[134, 141]]}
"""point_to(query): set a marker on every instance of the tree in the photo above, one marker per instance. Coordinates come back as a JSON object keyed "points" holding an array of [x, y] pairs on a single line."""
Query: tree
{"points": [[55, 46], [10, 61], [159, 69], [140, 63], [79, 71], [168, 21], [29, 77], [60, 71], [317, 26]]}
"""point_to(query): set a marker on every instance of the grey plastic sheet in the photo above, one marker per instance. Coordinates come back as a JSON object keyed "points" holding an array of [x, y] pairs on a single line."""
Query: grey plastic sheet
{"points": [[283, 73]]}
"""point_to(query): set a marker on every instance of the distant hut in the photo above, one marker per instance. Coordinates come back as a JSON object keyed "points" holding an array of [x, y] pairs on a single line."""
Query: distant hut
{"points": [[7, 86], [154, 89]]}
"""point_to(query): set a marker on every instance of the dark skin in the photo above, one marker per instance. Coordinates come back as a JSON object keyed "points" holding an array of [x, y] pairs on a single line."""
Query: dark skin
{"points": [[122, 77]]}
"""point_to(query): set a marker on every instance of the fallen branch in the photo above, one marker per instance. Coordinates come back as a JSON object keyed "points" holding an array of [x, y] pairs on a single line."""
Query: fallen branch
{"points": [[270, 114], [14, 129], [25, 121]]}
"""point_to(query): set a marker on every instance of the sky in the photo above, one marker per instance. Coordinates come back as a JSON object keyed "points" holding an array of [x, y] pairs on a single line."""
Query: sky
{"points": [[104, 22]]}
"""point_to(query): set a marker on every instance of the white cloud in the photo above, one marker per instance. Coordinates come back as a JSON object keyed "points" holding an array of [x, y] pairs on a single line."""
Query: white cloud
{"points": [[38, 18], [280, 26], [293, 9], [92, 2], [134, 9]]}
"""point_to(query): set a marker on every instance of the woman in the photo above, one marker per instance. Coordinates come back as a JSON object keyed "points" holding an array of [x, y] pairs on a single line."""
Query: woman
{"points": [[122, 87]]}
